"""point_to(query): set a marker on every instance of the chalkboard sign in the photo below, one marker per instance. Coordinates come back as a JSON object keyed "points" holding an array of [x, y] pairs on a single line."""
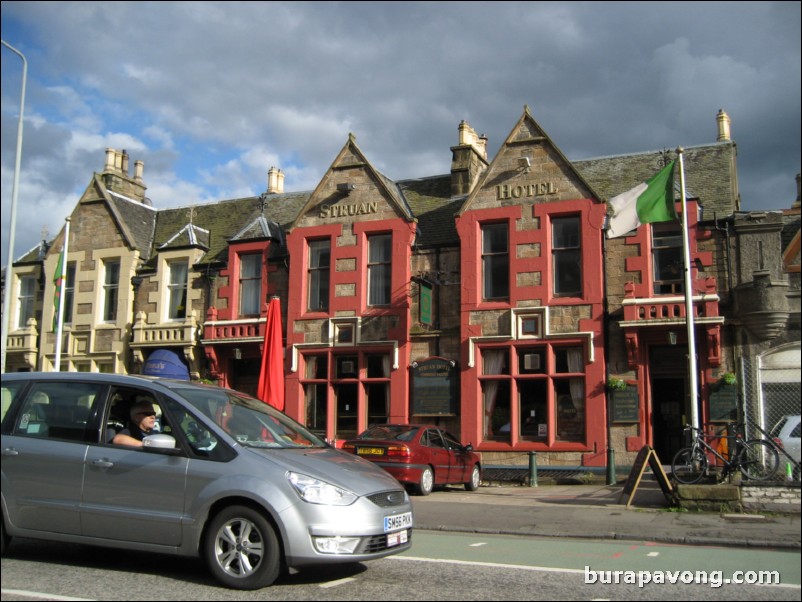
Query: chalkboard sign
{"points": [[435, 386], [647, 455], [723, 402], [626, 405]]}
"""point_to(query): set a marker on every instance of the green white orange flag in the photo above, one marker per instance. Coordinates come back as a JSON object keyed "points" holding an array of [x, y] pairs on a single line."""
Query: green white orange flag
{"points": [[649, 202], [58, 277]]}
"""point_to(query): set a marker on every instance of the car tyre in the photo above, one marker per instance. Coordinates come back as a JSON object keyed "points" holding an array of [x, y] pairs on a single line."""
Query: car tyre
{"points": [[476, 479], [5, 538], [426, 483], [241, 549]]}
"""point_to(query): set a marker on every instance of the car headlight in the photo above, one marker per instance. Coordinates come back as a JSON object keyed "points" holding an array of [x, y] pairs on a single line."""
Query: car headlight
{"points": [[316, 491]]}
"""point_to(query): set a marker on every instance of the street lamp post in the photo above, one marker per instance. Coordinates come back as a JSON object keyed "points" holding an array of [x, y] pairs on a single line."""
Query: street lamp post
{"points": [[13, 222]]}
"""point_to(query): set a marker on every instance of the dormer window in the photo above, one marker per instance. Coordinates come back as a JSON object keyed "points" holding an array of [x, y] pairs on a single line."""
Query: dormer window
{"points": [[177, 303]]}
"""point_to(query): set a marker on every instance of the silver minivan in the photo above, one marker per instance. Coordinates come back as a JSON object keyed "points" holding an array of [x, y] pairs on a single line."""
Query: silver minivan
{"points": [[220, 475]]}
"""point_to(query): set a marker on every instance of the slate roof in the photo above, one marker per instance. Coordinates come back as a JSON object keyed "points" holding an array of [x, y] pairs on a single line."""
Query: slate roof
{"points": [[791, 224], [709, 170], [225, 219], [139, 219], [710, 175], [430, 201]]}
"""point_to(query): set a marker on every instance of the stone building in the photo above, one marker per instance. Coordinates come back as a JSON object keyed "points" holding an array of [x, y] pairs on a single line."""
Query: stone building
{"points": [[487, 299]]}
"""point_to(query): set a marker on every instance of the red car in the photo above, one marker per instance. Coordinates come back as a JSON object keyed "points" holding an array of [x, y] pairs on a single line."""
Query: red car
{"points": [[419, 455]]}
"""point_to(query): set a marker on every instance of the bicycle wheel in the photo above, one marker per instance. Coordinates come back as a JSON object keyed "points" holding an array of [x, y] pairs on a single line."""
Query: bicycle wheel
{"points": [[689, 465], [758, 460]]}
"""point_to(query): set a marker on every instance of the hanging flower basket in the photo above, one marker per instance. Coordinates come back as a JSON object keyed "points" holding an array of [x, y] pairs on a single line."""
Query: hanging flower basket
{"points": [[616, 384], [728, 378]]}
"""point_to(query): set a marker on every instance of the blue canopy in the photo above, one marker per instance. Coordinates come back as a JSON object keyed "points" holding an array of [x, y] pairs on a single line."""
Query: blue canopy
{"points": [[167, 364]]}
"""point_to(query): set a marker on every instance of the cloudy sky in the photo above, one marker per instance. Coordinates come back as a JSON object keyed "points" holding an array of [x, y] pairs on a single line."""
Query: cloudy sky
{"points": [[210, 95]]}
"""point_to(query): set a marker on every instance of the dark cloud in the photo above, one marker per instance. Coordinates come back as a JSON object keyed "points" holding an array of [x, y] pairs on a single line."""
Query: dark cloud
{"points": [[211, 94]]}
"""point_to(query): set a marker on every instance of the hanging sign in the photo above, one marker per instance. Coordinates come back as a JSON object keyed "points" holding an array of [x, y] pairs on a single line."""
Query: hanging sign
{"points": [[425, 303]]}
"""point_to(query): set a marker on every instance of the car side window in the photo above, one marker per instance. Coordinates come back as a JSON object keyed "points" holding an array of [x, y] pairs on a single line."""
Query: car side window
{"points": [[58, 410], [202, 441], [8, 393], [119, 413], [434, 439], [451, 441]]}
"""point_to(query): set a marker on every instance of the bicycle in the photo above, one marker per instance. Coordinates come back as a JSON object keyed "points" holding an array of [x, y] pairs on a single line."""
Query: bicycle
{"points": [[757, 459]]}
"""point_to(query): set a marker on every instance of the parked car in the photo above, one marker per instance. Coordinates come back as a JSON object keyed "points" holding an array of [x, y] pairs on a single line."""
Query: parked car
{"points": [[419, 455], [227, 478], [786, 434]]}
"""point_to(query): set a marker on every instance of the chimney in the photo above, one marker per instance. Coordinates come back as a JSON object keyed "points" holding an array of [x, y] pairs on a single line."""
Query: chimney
{"points": [[468, 160], [275, 181], [110, 154], [796, 204], [116, 179], [723, 121]]}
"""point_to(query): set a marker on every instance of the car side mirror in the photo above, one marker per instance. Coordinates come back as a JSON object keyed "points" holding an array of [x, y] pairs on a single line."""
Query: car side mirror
{"points": [[160, 443], [468, 448]]}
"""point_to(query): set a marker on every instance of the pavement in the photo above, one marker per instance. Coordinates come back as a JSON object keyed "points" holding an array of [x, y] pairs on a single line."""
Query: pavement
{"points": [[598, 512]]}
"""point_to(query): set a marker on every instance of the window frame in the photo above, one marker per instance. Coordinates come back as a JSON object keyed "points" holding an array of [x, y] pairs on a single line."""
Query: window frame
{"points": [[177, 312], [551, 379], [111, 289], [26, 299], [564, 256], [666, 247], [495, 263], [359, 379], [69, 292], [379, 269], [317, 275], [249, 284]]}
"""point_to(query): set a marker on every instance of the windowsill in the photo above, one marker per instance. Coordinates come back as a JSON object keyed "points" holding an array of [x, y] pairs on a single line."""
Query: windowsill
{"points": [[568, 301]]}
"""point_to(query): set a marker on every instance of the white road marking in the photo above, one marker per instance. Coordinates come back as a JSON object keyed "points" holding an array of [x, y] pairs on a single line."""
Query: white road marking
{"points": [[543, 569], [336, 582], [27, 594]]}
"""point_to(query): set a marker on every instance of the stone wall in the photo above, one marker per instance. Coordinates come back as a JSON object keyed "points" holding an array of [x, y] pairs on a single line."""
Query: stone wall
{"points": [[772, 498]]}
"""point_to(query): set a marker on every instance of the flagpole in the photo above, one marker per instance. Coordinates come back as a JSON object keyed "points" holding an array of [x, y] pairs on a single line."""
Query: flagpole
{"points": [[61, 299], [686, 248]]}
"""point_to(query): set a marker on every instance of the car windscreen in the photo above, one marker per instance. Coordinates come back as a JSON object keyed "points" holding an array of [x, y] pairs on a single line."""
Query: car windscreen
{"points": [[391, 432], [251, 422]]}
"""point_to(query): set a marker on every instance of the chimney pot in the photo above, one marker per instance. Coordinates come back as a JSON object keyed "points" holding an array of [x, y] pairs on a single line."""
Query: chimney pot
{"points": [[723, 121], [139, 170], [110, 152], [275, 181]]}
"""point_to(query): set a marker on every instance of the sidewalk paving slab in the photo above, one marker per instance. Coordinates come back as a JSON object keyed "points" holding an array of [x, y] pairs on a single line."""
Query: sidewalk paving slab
{"points": [[598, 512]]}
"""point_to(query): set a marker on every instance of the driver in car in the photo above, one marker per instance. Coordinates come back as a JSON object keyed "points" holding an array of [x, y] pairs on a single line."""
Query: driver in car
{"points": [[142, 424]]}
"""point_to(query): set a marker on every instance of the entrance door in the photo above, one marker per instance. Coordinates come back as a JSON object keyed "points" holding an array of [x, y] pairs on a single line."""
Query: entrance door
{"points": [[244, 375], [668, 416], [669, 395]]}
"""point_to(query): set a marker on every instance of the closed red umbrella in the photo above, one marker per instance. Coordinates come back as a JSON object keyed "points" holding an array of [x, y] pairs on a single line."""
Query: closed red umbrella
{"points": [[271, 374]]}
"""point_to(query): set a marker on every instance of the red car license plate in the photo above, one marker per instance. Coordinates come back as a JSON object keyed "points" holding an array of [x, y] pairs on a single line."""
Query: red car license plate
{"points": [[370, 451]]}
